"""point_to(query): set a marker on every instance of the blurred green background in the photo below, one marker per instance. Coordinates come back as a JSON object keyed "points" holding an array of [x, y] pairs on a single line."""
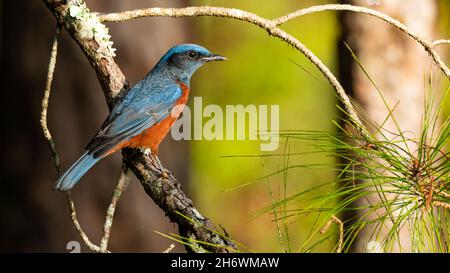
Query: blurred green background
{"points": [[260, 70]]}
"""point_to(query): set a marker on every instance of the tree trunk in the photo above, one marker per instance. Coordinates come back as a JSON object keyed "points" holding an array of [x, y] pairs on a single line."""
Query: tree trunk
{"points": [[398, 65]]}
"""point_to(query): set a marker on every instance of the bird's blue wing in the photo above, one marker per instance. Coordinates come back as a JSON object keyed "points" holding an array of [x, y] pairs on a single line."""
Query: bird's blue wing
{"points": [[138, 110]]}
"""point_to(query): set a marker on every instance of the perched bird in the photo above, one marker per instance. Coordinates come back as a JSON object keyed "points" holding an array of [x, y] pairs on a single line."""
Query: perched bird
{"points": [[143, 117]]}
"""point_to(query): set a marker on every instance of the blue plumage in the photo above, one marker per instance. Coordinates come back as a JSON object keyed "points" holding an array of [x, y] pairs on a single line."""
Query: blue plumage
{"points": [[75, 172]]}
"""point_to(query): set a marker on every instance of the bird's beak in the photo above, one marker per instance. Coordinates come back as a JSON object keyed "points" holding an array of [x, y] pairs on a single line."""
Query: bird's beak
{"points": [[214, 58]]}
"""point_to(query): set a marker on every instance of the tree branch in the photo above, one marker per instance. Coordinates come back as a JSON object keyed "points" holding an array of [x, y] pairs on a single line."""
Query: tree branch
{"points": [[163, 189], [110, 76]]}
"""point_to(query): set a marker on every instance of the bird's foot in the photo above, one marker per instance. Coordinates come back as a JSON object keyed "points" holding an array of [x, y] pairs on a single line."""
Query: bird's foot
{"points": [[146, 151]]}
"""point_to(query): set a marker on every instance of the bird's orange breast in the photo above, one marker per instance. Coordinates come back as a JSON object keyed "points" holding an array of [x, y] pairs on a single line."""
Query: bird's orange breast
{"points": [[152, 137]]}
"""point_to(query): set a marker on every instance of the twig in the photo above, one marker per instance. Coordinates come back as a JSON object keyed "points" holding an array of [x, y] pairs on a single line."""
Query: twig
{"points": [[73, 216], [445, 194], [45, 100], [440, 42], [441, 204], [337, 221], [49, 138], [122, 183], [428, 46]]}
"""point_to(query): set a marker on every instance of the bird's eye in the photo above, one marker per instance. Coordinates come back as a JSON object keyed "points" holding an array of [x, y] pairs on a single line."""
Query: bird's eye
{"points": [[192, 54]]}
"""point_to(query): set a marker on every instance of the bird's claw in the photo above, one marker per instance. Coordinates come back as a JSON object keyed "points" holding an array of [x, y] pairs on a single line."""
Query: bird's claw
{"points": [[146, 151]]}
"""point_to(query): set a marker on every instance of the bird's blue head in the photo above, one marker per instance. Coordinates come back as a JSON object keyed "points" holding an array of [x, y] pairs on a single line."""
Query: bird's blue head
{"points": [[181, 61]]}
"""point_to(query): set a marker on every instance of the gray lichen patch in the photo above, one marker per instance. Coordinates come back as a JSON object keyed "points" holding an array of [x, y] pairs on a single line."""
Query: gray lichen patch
{"points": [[88, 26]]}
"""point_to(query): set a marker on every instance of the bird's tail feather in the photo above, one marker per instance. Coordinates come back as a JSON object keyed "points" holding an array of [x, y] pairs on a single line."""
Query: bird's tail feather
{"points": [[75, 172]]}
